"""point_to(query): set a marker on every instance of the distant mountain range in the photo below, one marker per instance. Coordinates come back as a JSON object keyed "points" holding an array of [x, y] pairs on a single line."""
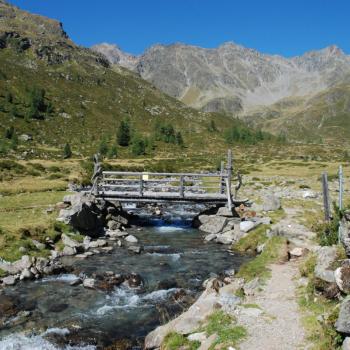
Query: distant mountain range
{"points": [[271, 91]]}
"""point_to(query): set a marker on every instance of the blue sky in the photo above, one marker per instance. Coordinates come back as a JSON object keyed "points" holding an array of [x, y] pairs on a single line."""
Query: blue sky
{"points": [[286, 27]]}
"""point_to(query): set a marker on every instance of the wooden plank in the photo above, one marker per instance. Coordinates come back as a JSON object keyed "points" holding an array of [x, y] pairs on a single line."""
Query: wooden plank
{"points": [[141, 185], [161, 174]]}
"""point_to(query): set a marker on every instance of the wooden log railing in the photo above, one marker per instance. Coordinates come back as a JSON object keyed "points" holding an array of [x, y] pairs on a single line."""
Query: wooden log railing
{"points": [[145, 186]]}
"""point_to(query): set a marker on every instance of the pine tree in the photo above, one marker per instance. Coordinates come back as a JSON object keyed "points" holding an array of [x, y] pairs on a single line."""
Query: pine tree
{"points": [[9, 132], [123, 133], [14, 141], [138, 146], [67, 152]]}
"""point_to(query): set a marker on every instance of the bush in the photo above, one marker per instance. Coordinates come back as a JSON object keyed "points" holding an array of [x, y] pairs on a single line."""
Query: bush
{"points": [[138, 146], [67, 152]]}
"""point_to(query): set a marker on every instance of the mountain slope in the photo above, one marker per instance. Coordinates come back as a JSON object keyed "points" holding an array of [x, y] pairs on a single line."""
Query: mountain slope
{"points": [[84, 97], [283, 95], [232, 77]]}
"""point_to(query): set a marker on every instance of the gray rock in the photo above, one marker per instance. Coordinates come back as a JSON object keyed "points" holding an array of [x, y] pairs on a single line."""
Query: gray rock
{"points": [[135, 249], [22, 250], [89, 283], [69, 251], [228, 237], [325, 257], [260, 248], [342, 325], [113, 225], [247, 226], [215, 224], [98, 243], [224, 211], [76, 282], [131, 239], [346, 344], [41, 263], [207, 344], [271, 202], [26, 274], [70, 242], [9, 280], [252, 286], [210, 237], [200, 337], [342, 278]]}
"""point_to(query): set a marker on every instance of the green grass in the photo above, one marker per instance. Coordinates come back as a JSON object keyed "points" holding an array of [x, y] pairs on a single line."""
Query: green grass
{"points": [[252, 240], [224, 326], [174, 341], [258, 267], [251, 306], [321, 334]]}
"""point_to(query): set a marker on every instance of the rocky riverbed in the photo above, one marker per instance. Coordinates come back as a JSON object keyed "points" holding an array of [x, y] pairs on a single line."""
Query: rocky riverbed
{"points": [[123, 295]]}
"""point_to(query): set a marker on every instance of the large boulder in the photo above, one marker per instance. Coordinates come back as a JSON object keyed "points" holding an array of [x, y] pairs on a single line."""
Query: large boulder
{"points": [[342, 325], [325, 258], [90, 215], [214, 224], [271, 202], [70, 242]]}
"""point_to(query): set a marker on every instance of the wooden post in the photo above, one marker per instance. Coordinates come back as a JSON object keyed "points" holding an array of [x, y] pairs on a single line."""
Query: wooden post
{"points": [[141, 185], [326, 201], [340, 204], [222, 179], [182, 187], [229, 177]]}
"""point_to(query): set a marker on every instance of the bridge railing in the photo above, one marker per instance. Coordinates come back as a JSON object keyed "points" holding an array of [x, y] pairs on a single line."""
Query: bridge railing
{"points": [[181, 183]]}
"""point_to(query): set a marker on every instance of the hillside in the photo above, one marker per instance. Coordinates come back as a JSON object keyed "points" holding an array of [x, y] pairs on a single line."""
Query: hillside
{"points": [[55, 92]]}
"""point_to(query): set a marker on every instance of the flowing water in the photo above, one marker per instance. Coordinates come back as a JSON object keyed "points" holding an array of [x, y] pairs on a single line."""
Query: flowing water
{"points": [[175, 259]]}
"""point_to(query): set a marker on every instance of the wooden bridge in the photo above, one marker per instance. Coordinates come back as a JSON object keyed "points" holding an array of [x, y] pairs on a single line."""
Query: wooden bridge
{"points": [[143, 187]]}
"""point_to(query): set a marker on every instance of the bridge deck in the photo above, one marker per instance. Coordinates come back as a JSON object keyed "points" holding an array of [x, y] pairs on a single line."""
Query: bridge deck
{"points": [[150, 196]]}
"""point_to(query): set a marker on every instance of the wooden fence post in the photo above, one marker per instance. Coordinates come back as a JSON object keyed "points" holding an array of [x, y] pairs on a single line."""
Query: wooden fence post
{"points": [[341, 182], [222, 180], [228, 179], [141, 185], [326, 200], [182, 185]]}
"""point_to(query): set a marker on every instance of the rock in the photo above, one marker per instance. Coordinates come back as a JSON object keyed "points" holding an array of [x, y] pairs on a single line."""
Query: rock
{"points": [[298, 252], [271, 202], [250, 287], [197, 337], [131, 239], [260, 248], [325, 257], [215, 224], [134, 280], [206, 344], [225, 238], [210, 237], [346, 344], [116, 233], [135, 249], [40, 264], [81, 256], [342, 278], [309, 194], [26, 274], [9, 280], [107, 249], [224, 211], [89, 283], [247, 226], [342, 325], [22, 250], [70, 242], [98, 243], [25, 137], [69, 251], [230, 272], [113, 225], [76, 282], [8, 306]]}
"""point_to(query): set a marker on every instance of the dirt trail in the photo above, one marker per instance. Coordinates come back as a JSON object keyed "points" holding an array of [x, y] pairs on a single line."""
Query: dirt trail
{"points": [[277, 326]]}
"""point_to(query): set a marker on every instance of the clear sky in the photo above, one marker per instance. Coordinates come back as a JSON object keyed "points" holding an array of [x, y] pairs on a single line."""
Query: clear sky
{"points": [[286, 27]]}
